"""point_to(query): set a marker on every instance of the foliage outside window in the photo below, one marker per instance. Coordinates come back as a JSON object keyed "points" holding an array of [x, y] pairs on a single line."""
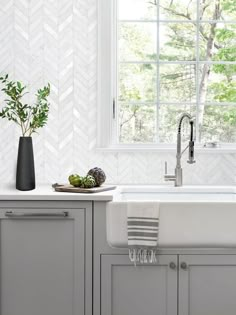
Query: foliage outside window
{"points": [[175, 56]]}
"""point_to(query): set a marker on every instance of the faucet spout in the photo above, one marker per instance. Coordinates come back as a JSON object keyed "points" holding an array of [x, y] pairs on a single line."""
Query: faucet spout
{"points": [[178, 177], [191, 142]]}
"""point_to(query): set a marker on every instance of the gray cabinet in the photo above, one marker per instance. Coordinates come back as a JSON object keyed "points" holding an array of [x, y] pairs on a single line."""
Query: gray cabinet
{"points": [[144, 289], [207, 285], [198, 285], [42, 262], [120, 288]]}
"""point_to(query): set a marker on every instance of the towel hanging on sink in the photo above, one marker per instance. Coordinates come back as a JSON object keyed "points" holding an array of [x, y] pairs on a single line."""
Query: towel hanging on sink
{"points": [[143, 227]]}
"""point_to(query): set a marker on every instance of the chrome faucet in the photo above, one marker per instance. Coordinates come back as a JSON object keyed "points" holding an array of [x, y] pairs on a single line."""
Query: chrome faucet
{"points": [[178, 176]]}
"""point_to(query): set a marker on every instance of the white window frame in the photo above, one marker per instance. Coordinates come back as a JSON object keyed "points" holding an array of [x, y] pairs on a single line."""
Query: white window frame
{"points": [[106, 63], [107, 127]]}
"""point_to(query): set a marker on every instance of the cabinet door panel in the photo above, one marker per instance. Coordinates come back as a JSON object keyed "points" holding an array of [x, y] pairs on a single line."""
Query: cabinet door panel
{"points": [[144, 289], [208, 285], [42, 265]]}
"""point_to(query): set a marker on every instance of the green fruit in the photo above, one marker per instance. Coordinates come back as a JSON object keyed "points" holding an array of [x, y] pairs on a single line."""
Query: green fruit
{"points": [[75, 180], [88, 182]]}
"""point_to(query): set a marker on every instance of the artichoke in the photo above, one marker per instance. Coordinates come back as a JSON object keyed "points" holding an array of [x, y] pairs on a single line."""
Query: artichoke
{"points": [[98, 175], [75, 180], [88, 182]]}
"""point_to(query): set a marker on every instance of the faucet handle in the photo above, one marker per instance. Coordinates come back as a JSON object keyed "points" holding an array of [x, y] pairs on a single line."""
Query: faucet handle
{"points": [[166, 167], [168, 177]]}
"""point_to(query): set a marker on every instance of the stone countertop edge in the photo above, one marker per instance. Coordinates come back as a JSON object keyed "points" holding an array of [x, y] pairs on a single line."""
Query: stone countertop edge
{"points": [[46, 192]]}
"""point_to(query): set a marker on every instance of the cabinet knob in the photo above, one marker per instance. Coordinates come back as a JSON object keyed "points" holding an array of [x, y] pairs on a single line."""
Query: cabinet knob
{"points": [[172, 265], [183, 266]]}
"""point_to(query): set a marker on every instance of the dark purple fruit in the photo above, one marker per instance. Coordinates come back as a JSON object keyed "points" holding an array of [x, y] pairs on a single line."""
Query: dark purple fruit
{"points": [[98, 175]]}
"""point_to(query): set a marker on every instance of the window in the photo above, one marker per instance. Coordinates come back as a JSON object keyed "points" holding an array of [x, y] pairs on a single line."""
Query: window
{"points": [[167, 57]]}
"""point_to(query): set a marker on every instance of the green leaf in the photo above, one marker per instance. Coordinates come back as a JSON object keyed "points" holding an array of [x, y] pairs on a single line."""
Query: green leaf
{"points": [[18, 85]]}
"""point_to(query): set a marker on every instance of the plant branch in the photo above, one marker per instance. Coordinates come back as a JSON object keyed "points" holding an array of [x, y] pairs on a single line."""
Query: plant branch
{"points": [[29, 118]]}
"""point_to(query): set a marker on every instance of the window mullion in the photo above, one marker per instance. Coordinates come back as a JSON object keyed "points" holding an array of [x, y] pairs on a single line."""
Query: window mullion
{"points": [[116, 66], [197, 73], [179, 21], [158, 75], [182, 62]]}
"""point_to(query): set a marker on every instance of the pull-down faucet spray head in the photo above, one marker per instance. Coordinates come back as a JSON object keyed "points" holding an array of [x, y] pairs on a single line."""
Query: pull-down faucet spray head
{"points": [[191, 144]]}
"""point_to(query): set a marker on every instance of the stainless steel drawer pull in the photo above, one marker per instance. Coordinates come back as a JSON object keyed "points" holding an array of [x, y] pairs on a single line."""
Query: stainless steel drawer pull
{"points": [[11, 214]]}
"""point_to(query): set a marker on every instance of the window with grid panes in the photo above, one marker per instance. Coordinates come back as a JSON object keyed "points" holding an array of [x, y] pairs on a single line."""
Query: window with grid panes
{"points": [[174, 56]]}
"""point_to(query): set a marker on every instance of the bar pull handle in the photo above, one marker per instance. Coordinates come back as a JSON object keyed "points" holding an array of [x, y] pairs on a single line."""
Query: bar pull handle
{"points": [[11, 214]]}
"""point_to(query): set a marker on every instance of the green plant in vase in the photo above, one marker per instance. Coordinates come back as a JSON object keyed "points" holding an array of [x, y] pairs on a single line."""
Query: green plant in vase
{"points": [[29, 118]]}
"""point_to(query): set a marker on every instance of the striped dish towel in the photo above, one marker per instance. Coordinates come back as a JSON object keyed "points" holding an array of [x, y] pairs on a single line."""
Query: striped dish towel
{"points": [[143, 226]]}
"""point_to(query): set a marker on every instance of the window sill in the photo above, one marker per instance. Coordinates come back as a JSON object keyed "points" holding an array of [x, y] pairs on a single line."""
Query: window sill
{"points": [[223, 149]]}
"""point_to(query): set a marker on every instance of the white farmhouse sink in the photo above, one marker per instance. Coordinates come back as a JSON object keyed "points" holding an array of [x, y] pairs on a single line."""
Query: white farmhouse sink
{"points": [[190, 216], [184, 193]]}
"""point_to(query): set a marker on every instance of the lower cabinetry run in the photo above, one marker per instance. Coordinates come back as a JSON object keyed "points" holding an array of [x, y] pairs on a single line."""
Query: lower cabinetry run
{"points": [[55, 260]]}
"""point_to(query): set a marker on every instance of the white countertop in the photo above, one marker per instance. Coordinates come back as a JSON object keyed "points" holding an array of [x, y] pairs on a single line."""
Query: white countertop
{"points": [[46, 192]]}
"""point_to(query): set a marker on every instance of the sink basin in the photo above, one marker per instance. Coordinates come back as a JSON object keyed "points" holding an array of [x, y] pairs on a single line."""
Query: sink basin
{"points": [[184, 193], [190, 216]]}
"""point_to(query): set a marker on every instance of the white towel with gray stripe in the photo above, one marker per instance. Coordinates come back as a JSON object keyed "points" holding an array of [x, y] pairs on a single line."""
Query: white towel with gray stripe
{"points": [[143, 227]]}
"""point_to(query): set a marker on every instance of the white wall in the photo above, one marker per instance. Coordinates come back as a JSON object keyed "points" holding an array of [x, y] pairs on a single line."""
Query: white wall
{"points": [[56, 41]]}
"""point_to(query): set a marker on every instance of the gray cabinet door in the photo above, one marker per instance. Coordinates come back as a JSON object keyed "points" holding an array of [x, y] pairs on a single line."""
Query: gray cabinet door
{"points": [[42, 262], [207, 285], [144, 289]]}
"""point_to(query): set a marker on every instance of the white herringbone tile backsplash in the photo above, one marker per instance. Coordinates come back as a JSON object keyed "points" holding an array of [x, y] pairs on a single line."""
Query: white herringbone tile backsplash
{"points": [[56, 41]]}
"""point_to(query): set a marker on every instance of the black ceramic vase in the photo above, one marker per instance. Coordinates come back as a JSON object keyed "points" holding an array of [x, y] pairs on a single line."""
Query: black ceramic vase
{"points": [[25, 176]]}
